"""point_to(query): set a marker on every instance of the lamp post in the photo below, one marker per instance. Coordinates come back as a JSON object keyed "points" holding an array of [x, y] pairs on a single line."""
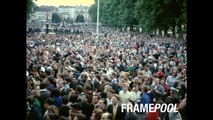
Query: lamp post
{"points": [[47, 25], [97, 27], [63, 20]]}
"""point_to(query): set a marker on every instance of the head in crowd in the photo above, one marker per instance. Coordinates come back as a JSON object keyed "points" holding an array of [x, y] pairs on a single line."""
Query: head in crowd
{"points": [[102, 104], [80, 116], [145, 89], [146, 68], [104, 79], [106, 116], [110, 93], [86, 98], [156, 81], [56, 92], [96, 98], [75, 108], [115, 99], [53, 112], [48, 102], [125, 87], [96, 114], [79, 89], [107, 88], [73, 98], [65, 99]]}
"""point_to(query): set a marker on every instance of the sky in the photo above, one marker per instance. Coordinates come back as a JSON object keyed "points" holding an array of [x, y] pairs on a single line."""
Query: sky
{"points": [[64, 2]]}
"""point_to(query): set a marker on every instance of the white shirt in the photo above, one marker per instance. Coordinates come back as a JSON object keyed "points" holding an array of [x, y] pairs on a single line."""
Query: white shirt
{"points": [[135, 95], [114, 110], [124, 96], [147, 74]]}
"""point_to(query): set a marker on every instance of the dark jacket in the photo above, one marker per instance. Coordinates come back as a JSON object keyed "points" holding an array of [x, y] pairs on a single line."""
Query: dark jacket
{"points": [[44, 94], [87, 109], [64, 111], [35, 113], [131, 116], [119, 115]]}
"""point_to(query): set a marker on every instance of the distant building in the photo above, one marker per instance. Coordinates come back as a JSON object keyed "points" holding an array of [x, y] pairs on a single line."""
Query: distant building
{"points": [[67, 11], [41, 16], [64, 11], [82, 10]]}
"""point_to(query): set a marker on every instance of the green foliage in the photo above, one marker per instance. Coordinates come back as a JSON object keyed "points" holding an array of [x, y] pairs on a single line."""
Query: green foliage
{"points": [[147, 14], [93, 13], [30, 8], [56, 18], [79, 19]]}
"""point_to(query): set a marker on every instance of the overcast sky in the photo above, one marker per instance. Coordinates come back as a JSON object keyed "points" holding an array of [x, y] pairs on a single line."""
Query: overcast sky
{"points": [[64, 2]]}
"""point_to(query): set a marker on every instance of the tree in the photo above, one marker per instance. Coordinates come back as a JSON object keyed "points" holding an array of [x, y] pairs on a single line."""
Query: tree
{"points": [[160, 15], [30, 8], [150, 15], [128, 14], [93, 12], [115, 13], [56, 18], [146, 15], [79, 19]]}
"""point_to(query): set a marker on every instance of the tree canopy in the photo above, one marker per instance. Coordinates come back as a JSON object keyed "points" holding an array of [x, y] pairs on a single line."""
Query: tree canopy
{"points": [[56, 18], [150, 15], [79, 19], [30, 8]]}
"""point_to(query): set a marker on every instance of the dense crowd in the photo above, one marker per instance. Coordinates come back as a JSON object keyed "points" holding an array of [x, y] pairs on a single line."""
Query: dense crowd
{"points": [[78, 77]]}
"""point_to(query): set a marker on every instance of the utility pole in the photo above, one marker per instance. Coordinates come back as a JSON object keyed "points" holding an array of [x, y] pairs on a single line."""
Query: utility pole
{"points": [[97, 27], [47, 25]]}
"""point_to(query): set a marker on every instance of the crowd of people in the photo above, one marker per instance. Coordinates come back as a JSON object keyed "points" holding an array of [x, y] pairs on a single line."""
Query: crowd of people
{"points": [[79, 77]]}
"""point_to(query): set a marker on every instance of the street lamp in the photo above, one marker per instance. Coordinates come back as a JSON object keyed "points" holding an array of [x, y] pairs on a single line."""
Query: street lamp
{"points": [[47, 25], [97, 27], [63, 20]]}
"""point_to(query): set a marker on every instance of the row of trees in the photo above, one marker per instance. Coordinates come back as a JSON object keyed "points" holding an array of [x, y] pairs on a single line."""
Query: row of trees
{"points": [[150, 15]]}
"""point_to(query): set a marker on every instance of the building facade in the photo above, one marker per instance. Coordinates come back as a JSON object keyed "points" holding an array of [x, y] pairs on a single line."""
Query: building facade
{"points": [[63, 11]]}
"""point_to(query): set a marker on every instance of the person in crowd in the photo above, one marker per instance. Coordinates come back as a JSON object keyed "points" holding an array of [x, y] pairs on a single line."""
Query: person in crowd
{"points": [[86, 105], [44, 94], [102, 104], [145, 99], [124, 94], [109, 96], [131, 115], [48, 102], [106, 116], [157, 89], [135, 93], [115, 108], [170, 80], [80, 116], [64, 109], [35, 113], [96, 114]]}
